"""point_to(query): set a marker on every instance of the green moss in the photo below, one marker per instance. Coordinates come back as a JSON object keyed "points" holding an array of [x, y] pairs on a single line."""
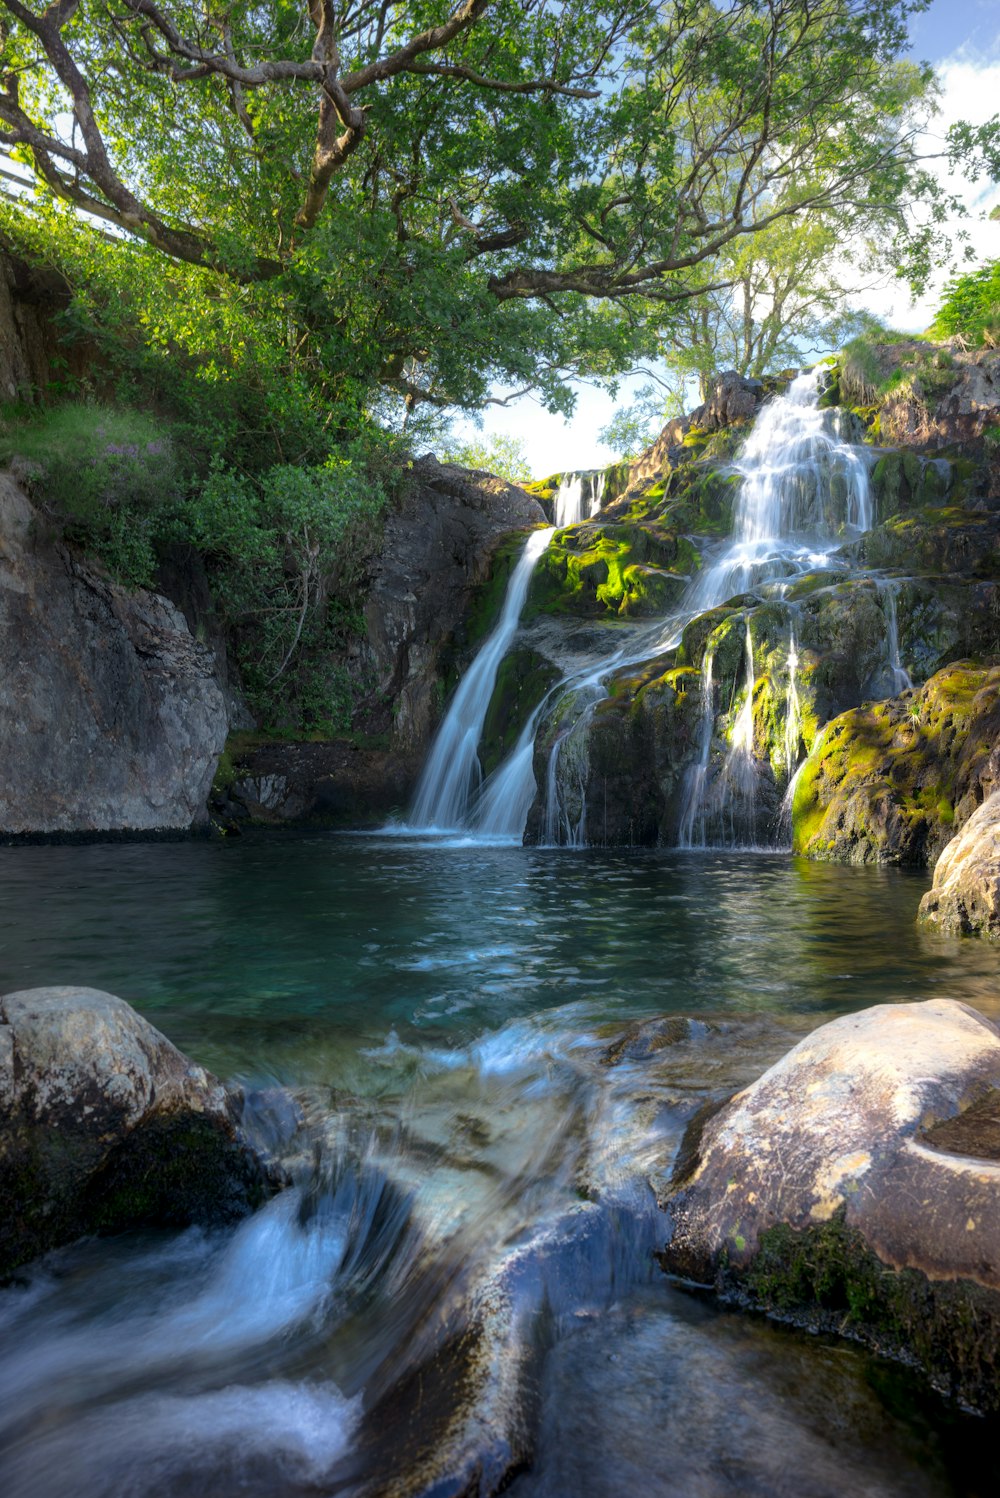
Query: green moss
{"points": [[598, 569], [827, 1278]]}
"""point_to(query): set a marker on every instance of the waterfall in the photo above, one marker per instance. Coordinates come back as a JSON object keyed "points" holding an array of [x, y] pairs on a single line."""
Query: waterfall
{"points": [[793, 709], [902, 681], [452, 775], [578, 497], [804, 490], [697, 774]]}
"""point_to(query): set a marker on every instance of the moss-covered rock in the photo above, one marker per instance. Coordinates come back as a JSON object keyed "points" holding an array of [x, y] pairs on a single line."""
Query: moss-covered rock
{"points": [[106, 1125], [891, 781], [522, 681], [595, 569], [944, 540], [903, 480], [854, 1188]]}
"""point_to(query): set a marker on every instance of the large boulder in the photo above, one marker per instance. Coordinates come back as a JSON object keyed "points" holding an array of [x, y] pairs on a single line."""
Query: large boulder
{"points": [[111, 715], [105, 1124], [891, 782], [965, 897], [856, 1188]]}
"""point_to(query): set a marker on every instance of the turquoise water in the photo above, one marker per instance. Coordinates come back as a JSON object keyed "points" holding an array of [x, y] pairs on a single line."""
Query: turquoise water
{"points": [[476, 1175]]}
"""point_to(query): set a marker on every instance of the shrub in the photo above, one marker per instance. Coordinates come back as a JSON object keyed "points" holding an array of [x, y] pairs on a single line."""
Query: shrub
{"points": [[287, 552]]}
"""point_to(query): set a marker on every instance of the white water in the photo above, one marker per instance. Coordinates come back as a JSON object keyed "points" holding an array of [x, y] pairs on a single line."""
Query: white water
{"points": [[902, 681], [452, 775], [578, 497], [793, 709]]}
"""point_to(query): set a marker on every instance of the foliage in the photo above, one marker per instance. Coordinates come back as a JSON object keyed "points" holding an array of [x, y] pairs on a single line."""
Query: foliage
{"points": [[107, 477], [634, 427], [971, 308], [438, 200], [287, 552], [500, 454]]}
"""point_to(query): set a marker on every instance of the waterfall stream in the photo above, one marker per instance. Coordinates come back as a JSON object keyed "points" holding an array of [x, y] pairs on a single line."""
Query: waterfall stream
{"points": [[452, 776], [804, 490]]}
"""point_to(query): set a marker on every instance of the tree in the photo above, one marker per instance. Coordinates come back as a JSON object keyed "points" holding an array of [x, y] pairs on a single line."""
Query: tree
{"points": [[970, 308], [449, 197]]}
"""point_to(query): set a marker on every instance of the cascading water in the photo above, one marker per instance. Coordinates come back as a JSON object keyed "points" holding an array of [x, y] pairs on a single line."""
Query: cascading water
{"points": [[694, 807], [793, 709], [452, 775], [578, 497], [902, 681], [804, 490]]}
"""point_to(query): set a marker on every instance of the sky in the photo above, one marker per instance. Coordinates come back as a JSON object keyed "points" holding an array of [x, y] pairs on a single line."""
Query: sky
{"points": [[962, 39]]}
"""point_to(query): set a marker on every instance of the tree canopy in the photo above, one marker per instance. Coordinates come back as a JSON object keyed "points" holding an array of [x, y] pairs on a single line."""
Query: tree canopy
{"points": [[432, 200]]}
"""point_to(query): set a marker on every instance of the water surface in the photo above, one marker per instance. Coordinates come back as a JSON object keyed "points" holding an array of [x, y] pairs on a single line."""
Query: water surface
{"points": [[473, 1210]]}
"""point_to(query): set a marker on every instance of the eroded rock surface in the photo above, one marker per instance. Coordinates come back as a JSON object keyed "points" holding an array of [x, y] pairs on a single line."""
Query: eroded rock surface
{"points": [[111, 716], [822, 1191], [965, 897], [105, 1124]]}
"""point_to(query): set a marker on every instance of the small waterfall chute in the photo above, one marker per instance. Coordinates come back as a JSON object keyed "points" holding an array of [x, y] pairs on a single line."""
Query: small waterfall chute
{"points": [[578, 497], [452, 776]]}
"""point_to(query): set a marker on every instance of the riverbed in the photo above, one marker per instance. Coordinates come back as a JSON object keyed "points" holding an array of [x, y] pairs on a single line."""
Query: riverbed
{"points": [[448, 1045]]}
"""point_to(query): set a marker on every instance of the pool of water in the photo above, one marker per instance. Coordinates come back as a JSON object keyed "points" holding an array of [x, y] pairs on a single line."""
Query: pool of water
{"points": [[474, 1212]]}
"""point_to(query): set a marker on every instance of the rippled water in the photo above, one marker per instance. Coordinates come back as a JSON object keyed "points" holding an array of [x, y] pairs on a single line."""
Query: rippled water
{"points": [[461, 1279]]}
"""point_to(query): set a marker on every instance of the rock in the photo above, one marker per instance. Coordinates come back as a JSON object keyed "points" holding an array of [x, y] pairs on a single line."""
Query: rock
{"points": [[890, 782], [965, 897], [856, 1188], [439, 545], [141, 718], [107, 1125], [336, 784]]}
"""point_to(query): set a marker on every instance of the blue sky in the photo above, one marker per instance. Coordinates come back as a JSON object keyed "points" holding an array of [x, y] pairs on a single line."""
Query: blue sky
{"points": [[962, 39]]}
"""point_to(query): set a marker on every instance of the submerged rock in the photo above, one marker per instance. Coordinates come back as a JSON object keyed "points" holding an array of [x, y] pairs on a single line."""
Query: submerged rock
{"points": [[856, 1187], [965, 897], [106, 1125]]}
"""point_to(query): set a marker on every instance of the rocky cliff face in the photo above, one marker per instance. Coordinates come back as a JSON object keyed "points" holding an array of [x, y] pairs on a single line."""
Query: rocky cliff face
{"points": [[111, 716], [439, 545], [436, 587]]}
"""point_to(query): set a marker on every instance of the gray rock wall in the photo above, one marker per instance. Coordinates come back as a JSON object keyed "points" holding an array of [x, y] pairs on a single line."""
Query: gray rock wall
{"points": [[439, 544], [111, 716]]}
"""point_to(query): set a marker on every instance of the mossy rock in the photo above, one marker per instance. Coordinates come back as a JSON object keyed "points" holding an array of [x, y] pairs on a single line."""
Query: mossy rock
{"points": [[936, 540], [889, 782], [596, 569], [903, 480]]}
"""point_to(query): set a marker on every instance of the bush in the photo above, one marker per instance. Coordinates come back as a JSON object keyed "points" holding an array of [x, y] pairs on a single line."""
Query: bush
{"points": [[287, 552], [971, 308], [106, 477]]}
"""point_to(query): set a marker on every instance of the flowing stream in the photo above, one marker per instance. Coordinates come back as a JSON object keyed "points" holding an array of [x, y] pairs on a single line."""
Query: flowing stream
{"points": [[459, 1283]]}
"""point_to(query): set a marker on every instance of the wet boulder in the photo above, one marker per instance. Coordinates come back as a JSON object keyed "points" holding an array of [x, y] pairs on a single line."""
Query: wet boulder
{"points": [[106, 1125], [965, 897], [855, 1188]]}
